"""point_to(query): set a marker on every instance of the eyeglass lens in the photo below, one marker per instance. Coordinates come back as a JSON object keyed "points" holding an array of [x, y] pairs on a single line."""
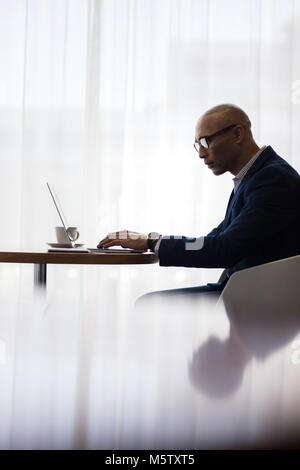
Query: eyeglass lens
{"points": [[202, 143]]}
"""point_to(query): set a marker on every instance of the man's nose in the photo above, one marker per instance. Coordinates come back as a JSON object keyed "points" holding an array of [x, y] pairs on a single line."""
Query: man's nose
{"points": [[202, 152]]}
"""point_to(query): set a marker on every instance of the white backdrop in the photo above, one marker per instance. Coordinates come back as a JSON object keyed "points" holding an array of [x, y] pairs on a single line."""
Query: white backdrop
{"points": [[100, 97]]}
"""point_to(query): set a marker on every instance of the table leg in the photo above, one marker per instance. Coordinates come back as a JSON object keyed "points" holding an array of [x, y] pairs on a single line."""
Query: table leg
{"points": [[40, 275]]}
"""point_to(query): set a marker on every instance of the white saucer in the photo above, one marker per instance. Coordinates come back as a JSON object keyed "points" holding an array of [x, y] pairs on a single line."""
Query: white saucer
{"points": [[64, 245]]}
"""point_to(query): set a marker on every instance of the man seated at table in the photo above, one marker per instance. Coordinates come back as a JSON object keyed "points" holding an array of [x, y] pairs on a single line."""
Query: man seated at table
{"points": [[262, 220]]}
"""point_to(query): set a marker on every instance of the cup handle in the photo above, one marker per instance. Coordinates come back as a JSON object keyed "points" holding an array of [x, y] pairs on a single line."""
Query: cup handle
{"points": [[74, 236]]}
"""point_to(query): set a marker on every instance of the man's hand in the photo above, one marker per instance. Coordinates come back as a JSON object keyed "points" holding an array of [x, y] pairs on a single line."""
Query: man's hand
{"points": [[126, 239]]}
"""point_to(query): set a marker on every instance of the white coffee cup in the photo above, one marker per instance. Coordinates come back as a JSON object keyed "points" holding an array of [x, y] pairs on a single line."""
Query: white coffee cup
{"points": [[62, 236]]}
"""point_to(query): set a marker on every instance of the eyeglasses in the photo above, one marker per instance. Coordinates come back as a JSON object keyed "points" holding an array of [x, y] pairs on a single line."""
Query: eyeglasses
{"points": [[205, 140]]}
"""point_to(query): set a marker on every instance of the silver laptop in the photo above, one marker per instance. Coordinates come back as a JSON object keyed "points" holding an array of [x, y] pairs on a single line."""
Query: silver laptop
{"points": [[60, 212], [65, 225]]}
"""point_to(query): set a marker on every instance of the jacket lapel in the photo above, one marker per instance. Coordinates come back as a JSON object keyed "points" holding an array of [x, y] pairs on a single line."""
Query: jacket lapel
{"points": [[228, 210], [266, 155]]}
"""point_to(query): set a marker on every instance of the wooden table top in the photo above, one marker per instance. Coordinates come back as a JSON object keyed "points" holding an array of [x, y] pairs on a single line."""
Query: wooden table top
{"points": [[43, 257]]}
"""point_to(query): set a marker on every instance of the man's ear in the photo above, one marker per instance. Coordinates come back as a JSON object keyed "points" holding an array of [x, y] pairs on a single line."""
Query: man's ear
{"points": [[239, 133]]}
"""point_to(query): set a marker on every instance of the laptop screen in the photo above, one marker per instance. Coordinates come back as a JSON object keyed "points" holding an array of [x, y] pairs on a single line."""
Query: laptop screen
{"points": [[58, 206]]}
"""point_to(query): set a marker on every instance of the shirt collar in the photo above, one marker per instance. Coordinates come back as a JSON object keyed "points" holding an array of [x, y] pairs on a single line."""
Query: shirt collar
{"points": [[238, 178]]}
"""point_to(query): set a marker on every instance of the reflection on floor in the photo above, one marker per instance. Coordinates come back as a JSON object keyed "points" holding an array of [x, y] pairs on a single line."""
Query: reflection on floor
{"points": [[97, 372]]}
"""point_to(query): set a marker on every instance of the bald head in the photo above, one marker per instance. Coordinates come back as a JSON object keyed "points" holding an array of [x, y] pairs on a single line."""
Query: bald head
{"points": [[229, 110], [229, 141], [227, 114]]}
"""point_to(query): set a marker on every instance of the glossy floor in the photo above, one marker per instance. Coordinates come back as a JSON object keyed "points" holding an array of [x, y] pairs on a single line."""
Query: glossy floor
{"points": [[96, 372]]}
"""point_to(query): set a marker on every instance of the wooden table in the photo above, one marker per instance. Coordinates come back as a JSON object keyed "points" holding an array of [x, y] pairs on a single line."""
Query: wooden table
{"points": [[40, 259]]}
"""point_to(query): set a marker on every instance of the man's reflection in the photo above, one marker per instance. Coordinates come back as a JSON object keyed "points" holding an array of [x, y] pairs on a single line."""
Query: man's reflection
{"points": [[218, 366]]}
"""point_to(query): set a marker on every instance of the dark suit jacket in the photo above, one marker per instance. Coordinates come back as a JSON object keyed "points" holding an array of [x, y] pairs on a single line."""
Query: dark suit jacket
{"points": [[262, 222]]}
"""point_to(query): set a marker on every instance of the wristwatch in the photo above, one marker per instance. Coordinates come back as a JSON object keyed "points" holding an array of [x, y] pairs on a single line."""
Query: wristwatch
{"points": [[153, 237]]}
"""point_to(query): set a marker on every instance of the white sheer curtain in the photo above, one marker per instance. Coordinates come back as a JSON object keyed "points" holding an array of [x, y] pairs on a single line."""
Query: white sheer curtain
{"points": [[100, 97]]}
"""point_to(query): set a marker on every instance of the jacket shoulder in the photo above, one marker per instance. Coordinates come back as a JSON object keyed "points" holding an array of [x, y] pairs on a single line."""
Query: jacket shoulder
{"points": [[273, 169]]}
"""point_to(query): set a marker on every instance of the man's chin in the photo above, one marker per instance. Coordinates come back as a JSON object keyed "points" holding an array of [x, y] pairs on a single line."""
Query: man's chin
{"points": [[217, 171]]}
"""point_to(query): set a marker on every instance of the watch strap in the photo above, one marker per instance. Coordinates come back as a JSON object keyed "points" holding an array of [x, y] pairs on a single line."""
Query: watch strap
{"points": [[152, 239]]}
